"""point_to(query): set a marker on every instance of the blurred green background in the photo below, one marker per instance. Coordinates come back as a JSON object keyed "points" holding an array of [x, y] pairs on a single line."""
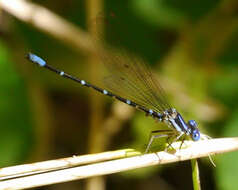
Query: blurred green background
{"points": [[192, 47]]}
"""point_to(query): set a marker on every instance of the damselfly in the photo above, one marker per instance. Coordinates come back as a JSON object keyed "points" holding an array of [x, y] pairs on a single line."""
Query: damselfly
{"points": [[132, 83]]}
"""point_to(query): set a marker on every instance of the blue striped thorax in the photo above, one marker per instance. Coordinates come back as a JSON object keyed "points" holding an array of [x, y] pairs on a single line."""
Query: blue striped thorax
{"points": [[174, 119]]}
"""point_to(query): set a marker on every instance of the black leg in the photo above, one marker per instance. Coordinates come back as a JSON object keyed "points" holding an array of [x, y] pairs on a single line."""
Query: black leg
{"points": [[177, 137], [182, 142], [170, 142], [163, 133]]}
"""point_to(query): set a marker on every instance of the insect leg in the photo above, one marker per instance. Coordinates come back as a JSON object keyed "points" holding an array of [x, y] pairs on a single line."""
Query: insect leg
{"points": [[160, 134]]}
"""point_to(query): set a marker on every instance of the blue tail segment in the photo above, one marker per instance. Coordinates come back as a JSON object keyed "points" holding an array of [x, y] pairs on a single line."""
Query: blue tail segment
{"points": [[36, 59]]}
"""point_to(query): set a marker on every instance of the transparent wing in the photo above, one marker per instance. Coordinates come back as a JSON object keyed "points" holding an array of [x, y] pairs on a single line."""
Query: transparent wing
{"points": [[130, 78]]}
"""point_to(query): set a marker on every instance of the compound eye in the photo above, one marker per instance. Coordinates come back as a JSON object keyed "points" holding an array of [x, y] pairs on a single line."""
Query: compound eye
{"points": [[196, 136], [192, 123]]}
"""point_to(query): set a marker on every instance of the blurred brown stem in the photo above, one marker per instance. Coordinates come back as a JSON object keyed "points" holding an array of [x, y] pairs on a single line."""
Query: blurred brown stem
{"points": [[96, 131]]}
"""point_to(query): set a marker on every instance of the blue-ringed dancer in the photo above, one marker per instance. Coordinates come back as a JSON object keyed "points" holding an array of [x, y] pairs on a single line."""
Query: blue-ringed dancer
{"points": [[138, 88]]}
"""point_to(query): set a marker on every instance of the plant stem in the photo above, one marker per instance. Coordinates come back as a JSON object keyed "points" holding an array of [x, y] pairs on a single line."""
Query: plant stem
{"points": [[195, 175]]}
